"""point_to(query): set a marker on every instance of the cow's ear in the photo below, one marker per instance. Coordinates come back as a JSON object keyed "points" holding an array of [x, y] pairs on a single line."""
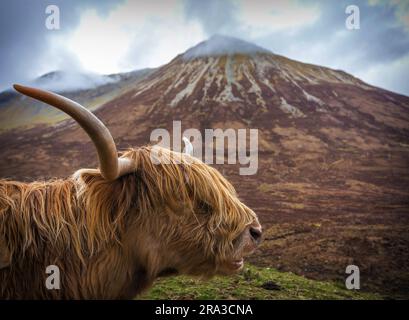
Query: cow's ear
{"points": [[5, 255]]}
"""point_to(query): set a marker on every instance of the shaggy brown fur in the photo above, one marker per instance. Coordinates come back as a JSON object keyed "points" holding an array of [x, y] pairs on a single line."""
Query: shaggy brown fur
{"points": [[111, 239]]}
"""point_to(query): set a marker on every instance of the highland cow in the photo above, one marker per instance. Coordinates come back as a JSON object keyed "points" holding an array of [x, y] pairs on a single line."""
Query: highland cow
{"points": [[112, 231]]}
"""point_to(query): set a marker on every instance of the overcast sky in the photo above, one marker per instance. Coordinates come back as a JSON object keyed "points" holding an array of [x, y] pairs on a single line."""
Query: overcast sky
{"points": [[106, 36]]}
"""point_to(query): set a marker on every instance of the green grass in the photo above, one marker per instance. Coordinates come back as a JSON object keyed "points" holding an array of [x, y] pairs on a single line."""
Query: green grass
{"points": [[248, 284]]}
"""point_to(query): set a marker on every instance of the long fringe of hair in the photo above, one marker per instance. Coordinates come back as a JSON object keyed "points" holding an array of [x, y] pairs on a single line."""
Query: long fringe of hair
{"points": [[85, 212]]}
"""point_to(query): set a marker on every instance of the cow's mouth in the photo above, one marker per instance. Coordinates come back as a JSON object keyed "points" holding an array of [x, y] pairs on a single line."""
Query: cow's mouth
{"points": [[236, 265]]}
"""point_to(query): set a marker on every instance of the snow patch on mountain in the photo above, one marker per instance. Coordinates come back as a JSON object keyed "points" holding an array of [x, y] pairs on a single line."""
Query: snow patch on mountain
{"points": [[312, 98], [188, 90], [290, 109]]}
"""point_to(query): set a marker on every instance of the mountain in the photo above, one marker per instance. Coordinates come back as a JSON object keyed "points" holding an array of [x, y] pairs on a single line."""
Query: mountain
{"points": [[219, 45], [89, 89], [71, 81], [332, 182]]}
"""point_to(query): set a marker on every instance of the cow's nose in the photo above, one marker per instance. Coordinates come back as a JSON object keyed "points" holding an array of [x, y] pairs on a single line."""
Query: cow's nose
{"points": [[256, 232]]}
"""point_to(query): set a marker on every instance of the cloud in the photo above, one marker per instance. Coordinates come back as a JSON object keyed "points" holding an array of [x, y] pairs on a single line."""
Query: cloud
{"points": [[214, 15], [260, 17], [222, 45], [137, 34], [400, 7], [314, 31], [250, 18], [61, 81], [27, 49], [391, 75], [116, 36]]}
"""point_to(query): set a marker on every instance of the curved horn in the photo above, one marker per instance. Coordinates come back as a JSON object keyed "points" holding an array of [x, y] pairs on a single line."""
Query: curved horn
{"points": [[111, 166]]}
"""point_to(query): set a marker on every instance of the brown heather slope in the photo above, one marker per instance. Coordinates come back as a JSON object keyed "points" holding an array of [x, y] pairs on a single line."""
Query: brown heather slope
{"points": [[332, 185]]}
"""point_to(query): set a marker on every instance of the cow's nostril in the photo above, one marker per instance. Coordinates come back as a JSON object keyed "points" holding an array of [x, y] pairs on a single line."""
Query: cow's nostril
{"points": [[255, 234]]}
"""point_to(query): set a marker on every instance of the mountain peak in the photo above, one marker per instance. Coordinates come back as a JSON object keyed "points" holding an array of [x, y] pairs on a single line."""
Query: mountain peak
{"points": [[218, 45], [72, 80]]}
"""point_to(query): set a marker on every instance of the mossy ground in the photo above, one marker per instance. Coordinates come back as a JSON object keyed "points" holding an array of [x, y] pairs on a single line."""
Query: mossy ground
{"points": [[252, 283]]}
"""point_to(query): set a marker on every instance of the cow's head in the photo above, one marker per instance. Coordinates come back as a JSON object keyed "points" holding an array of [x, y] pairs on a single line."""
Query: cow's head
{"points": [[186, 217]]}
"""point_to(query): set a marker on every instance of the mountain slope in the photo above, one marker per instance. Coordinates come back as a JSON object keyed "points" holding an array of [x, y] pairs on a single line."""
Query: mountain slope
{"points": [[332, 181], [265, 88], [90, 90]]}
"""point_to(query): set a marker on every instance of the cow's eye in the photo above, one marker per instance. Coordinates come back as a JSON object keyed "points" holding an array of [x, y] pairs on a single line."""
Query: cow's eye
{"points": [[204, 208]]}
